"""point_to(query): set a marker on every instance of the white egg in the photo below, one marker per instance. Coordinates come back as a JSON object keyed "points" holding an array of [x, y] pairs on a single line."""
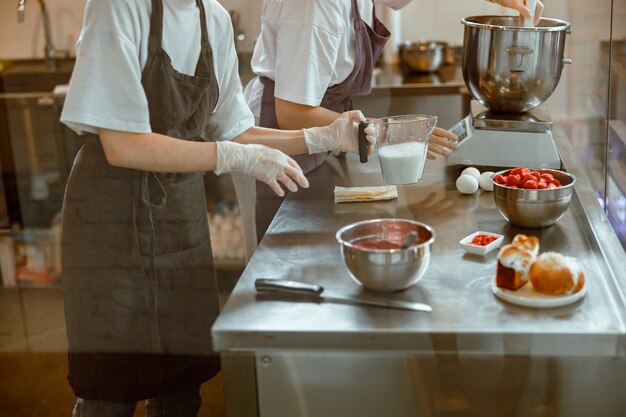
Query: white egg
{"points": [[467, 184], [471, 171], [485, 181]]}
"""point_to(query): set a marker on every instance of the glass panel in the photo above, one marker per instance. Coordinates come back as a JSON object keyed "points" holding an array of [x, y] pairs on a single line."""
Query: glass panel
{"points": [[616, 166], [580, 103]]}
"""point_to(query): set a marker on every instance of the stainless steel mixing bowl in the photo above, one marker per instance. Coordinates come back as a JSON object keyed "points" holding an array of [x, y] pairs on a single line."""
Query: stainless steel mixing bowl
{"points": [[509, 68], [386, 269], [422, 56], [534, 208]]}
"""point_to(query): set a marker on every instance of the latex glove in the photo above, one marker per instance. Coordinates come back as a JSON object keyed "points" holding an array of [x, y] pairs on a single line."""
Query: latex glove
{"points": [[440, 141], [520, 6], [340, 135], [265, 164]]}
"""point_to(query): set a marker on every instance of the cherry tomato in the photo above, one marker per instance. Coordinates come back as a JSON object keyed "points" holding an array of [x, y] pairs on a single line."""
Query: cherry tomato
{"points": [[555, 182], [514, 179], [551, 185], [542, 185], [536, 173], [547, 177], [531, 185], [500, 179], [528, 177], [517, 171]]}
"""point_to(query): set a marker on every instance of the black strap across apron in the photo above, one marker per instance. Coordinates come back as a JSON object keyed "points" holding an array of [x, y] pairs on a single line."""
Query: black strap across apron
{"points": [[139, 283], [369, 44]]}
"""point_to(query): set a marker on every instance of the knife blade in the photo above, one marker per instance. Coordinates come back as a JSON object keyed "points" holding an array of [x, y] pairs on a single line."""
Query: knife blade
{"points": [[318, 293]]}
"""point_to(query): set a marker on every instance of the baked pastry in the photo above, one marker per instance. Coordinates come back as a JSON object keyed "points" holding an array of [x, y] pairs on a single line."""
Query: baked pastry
{"points": [[527, 243], [347, 194], [515, 260], [555, 274]]}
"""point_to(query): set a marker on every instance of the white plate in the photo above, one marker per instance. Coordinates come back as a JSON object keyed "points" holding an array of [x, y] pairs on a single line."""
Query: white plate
{"points": [[526, 296]]}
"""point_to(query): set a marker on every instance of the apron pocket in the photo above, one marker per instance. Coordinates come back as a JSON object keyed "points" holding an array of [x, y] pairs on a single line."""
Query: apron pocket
{"points": [[183, 223]]}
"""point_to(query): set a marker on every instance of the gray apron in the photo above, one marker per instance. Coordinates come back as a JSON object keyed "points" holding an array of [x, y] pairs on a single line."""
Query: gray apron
{"points": [[139, 282], [369, 44]]}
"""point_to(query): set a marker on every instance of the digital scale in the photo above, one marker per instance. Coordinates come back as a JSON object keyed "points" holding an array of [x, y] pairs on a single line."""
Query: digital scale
{"points": [[488, 138]]}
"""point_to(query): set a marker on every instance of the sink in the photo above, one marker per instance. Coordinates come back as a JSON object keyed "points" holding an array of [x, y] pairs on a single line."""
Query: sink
{"points": [[33, 75]]}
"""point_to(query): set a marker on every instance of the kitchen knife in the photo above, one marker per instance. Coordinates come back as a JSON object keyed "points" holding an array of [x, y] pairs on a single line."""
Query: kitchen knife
{"points": [[317, 293]]}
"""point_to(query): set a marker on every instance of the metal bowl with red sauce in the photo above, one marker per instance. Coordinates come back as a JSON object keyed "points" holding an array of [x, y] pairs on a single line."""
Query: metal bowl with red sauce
{"points": [[373, 254]]}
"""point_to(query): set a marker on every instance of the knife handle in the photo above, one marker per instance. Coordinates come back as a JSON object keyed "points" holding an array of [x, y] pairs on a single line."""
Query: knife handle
{"points": [[287, 287]]}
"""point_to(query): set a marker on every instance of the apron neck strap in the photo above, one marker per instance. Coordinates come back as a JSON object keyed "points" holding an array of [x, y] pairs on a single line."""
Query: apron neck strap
{"points": [[156, 24], [356, 14], [204, 35]]}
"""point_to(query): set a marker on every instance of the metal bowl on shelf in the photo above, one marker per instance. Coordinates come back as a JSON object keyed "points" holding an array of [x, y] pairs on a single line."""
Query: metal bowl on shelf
{"points": [[386, 269], [534, 208], [422, 56]]}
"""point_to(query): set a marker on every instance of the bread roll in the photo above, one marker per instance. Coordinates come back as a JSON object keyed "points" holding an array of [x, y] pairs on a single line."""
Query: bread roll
{"points": [[555, 274]]}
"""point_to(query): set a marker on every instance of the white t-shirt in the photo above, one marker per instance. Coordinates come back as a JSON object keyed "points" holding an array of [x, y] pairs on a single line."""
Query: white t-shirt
{"points": [[306, 46], [105, 90]]}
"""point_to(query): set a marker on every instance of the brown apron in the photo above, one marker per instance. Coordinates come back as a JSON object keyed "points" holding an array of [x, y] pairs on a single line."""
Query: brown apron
{"points": [[139, 282], [369, 44]]}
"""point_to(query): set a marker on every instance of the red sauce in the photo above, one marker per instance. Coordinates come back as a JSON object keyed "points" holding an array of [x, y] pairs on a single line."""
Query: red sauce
{"points": [[393, 241], [376, 243], [482, 239]]}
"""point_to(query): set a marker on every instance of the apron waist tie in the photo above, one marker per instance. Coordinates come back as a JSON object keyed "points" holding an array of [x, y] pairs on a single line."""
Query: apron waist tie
{"points": [[145, 192], [146, 200]]}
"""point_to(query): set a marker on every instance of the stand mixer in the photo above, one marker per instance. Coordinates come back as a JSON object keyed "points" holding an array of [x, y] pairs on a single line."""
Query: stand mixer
{"points": [[509, 70]]}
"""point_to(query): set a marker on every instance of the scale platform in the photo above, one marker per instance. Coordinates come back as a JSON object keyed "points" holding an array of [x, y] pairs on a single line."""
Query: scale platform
{"points": [[505, 140]]}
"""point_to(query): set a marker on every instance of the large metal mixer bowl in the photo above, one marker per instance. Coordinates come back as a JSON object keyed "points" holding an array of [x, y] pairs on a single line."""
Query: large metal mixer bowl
{"points": [[509, 68]]}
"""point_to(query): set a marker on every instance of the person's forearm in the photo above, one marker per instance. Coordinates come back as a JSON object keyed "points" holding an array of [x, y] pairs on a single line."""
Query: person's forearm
{"points": [[292, 115], [290, 142], [157, 153]]}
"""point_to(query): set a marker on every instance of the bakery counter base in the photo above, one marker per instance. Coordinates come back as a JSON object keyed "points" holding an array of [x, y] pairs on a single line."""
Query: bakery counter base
{"points": [[339, 384]]}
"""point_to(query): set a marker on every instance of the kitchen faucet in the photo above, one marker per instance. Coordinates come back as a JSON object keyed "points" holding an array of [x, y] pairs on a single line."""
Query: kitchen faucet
{"points": [[49, 48]]}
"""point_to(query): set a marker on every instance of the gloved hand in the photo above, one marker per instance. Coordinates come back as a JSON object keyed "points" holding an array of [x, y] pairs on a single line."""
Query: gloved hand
{"points": [[265, 164], [440, 141], [340, 135], [520, 6]]}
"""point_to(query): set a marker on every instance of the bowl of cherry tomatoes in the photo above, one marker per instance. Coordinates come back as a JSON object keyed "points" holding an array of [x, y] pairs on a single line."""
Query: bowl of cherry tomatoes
{"points": [[532, 197]]}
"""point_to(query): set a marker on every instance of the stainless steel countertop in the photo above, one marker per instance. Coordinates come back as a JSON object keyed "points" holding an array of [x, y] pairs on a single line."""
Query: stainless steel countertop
{"points": [[466, 317]]}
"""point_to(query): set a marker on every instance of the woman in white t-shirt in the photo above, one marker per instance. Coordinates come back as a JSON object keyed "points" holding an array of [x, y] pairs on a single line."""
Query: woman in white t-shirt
{"points": [[155, 91], [311, 57]]}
